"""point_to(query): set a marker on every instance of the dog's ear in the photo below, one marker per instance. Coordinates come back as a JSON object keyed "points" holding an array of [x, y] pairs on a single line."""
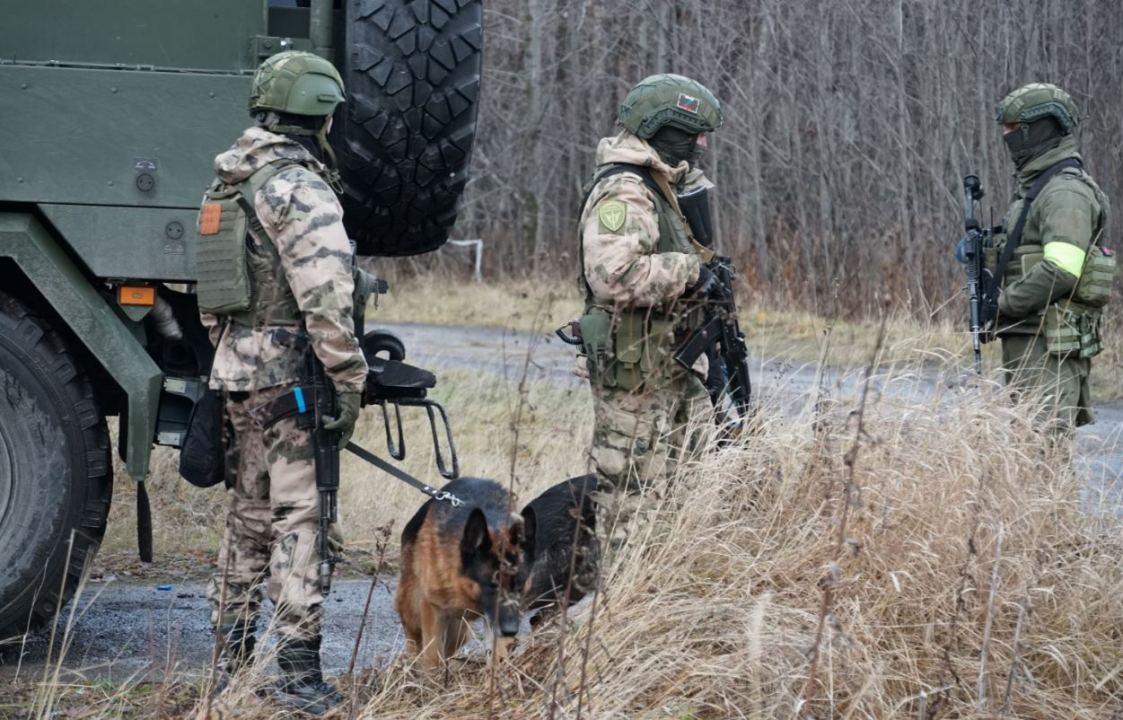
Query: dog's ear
{"points": [[529, 533], [476, 537]]}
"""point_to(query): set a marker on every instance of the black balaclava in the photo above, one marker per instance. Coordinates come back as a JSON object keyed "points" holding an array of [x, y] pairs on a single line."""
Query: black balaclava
{"points": [[674, 145], [1032, 140]]}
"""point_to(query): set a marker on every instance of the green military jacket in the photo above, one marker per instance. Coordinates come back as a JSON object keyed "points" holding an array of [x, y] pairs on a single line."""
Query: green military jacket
{"points": [[1065, 219]]}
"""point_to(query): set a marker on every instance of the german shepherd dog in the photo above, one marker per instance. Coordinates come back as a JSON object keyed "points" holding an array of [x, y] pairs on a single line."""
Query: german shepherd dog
{"points": [[462, 563], [566, 553]]}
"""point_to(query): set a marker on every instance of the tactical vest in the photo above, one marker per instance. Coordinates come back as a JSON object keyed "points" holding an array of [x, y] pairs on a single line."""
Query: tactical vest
{"points": [[1075, 324], [232, 271], [627, 346]]}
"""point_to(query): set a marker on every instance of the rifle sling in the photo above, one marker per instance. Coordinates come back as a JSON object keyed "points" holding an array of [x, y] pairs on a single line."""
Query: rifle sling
{"points": [[1016, 236]]}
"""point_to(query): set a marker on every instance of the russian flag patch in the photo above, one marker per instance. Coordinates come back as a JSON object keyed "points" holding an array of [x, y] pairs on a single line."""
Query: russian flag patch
{"points": [[689, 104]]}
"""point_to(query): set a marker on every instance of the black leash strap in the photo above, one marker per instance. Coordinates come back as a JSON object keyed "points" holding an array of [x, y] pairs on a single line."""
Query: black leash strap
{"points": [[438, 495], [1016, 236]]}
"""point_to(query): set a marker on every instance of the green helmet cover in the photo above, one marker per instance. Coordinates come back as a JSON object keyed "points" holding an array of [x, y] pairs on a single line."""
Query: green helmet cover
{"points": [[1035, 101], [667, 99], [298, 83]]}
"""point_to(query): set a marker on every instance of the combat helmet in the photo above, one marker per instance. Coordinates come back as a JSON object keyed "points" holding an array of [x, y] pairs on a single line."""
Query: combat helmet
{"points": [[297, 83], [1035, 101], [665, 99]]}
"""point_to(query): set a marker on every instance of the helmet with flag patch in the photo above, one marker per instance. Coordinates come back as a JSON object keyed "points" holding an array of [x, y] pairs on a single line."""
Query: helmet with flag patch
{"points": [[665, 99]]}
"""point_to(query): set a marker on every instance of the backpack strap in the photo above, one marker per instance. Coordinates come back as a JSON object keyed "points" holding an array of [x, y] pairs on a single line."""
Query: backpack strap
{"points": [[1016, 236], [247, 191]]}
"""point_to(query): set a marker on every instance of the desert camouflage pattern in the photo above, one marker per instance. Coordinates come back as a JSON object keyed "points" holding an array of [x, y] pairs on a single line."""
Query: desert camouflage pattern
{"points": [[622, 267], [639, 441], [272, 524], [303, 220], [640, 437]]}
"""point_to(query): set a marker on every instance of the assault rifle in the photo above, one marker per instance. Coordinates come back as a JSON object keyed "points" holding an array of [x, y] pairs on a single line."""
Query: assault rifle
{"points": [[720, 337], [325, 444], [982, 290]]}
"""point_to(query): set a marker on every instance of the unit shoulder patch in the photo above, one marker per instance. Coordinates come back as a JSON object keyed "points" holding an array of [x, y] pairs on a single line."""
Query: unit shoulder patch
{"points": [[612, 214]]}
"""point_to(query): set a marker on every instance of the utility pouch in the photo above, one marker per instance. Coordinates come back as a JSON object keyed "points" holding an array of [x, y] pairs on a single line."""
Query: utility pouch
{"points": [[628, 347], [595, 327], [1062, 328], [202, 459], [220, 254], [1028, 260], [1091, 333], [1094, 288]]}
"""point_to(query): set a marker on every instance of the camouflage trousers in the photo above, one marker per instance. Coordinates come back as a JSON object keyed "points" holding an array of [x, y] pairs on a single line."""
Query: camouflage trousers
{"points": [[639, 439], [272, 523], [1061, 381]]}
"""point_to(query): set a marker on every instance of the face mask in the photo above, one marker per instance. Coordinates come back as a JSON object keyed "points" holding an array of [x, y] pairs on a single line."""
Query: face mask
{"points": [[674, 145], [1032, 140]]}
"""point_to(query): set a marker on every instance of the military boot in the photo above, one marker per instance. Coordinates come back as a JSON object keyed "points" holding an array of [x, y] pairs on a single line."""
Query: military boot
{"points": [[302, 685], [238, 641]]}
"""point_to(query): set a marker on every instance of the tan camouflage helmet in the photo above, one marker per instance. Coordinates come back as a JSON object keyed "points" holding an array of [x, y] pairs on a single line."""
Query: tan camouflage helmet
{"points": [[1035, 101], [298, 83], [668, 99]]}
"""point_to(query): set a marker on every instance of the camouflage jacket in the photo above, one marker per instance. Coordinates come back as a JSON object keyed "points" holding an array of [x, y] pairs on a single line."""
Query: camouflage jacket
{"points": [[303, 220], [1064, 219], [621, 265]]}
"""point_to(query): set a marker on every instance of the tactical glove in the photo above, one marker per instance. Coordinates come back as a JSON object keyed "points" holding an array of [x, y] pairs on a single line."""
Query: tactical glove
{"points": [[703, 286], [348, 403]]}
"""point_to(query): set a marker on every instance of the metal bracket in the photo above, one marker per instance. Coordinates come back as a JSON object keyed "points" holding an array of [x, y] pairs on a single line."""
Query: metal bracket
{"points": [[433, 410], [267, 45]]}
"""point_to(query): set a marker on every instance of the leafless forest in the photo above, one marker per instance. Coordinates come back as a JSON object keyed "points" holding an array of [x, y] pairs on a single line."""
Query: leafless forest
{"points": [[849, 126]]}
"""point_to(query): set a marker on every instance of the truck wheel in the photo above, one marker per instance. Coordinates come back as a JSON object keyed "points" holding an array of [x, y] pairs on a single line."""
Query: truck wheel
{"points": [[56, 478], [412, 71]]}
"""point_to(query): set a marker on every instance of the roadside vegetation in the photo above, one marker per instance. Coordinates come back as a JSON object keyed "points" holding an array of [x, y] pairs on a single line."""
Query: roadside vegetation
{"points": [[895, 554]]}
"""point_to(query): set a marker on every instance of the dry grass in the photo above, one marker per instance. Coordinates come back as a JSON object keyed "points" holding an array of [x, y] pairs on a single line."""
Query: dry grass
{"points": [[712, 613]]}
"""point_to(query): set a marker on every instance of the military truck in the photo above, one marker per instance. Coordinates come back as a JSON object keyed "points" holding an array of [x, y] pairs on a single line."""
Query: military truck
{"points": [[113, 111]]}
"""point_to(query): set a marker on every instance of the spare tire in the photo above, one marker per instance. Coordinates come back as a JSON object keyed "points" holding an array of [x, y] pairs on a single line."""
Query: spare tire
{"points": [[412, 71]]}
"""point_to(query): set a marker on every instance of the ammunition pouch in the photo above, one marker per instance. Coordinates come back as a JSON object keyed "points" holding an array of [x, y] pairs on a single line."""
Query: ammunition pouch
{"points": [[202, 459], [1097, 277], [1071, 328], [624, 354]]}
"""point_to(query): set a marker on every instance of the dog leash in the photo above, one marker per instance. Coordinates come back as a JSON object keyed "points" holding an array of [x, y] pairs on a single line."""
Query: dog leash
{"points": [[438, 495]]}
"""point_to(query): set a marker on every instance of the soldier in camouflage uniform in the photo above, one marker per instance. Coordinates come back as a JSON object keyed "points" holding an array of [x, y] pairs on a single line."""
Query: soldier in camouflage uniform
{"points": [[644, 279], [300, 260], [1053, 289]]}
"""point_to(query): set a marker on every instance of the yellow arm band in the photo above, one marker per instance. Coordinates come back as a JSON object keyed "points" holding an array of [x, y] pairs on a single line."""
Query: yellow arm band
{"points": [[1067, 257]]}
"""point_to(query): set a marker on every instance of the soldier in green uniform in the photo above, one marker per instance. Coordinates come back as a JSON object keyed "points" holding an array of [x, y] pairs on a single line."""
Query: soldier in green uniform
{"points": [[644, 278], [275, 274], [1055, 283]]}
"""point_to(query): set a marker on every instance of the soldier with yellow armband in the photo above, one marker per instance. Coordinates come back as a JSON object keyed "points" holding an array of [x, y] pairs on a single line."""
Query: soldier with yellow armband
{"points": [[1055, 275]]}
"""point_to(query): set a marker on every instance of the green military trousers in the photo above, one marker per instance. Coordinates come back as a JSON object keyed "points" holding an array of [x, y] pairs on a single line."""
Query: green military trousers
{"points": [[1061, 381]]}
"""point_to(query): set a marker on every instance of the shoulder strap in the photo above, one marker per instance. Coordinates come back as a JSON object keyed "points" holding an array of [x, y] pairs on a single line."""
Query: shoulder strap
{"points": [[642, 171], [247, 191], [1015, 237]]}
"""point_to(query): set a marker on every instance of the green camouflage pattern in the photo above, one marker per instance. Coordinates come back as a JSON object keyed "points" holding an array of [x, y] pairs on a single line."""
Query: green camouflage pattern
{"points": [[667, 99], [1058, 382], [1035, 101], [269, 546], [298, 83], [304, 223], [1070, 209]]}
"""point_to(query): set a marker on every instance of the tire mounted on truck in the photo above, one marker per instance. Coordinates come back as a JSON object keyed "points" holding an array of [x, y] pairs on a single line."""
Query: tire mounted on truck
{"points": [[55, 473]]}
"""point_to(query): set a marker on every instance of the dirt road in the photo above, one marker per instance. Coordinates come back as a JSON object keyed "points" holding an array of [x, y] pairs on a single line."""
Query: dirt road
{"points": [[126, 628]]}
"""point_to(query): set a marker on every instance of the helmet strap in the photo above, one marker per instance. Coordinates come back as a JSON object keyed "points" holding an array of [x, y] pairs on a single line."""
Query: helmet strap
{"points": [[331, 176]]}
